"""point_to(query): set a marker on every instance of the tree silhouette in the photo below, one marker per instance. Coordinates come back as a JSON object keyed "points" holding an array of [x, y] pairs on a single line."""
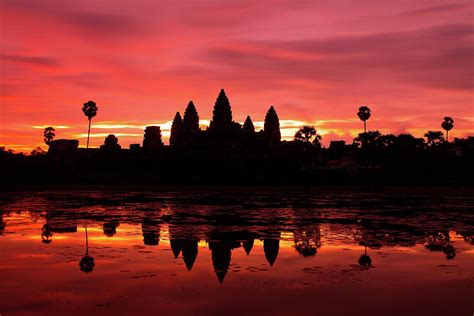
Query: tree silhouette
{"points": [[387, 140], [271, 126], [308, 135], [307, 242], [222, 114], [90, 110], [409, 142], [49, 134], [364, 114], [190, 122], [305, 134], [175, 136], [248, 127], [447, 125], [37, 152], [440, 241], [434, 138], [368, 139]]}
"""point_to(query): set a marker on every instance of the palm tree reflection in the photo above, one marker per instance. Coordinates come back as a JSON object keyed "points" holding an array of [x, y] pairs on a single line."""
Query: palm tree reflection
{"points": [[87, 262], [46, 234], [365, 260]]}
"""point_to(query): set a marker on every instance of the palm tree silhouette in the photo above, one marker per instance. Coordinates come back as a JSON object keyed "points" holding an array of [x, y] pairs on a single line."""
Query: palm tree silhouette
{"points": [[364, 115], [90, 110], [87, 262], [49, 135], [447, 125]]}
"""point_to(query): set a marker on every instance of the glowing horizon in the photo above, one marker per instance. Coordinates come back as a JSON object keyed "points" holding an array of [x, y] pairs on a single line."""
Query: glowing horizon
{"points": [[142, 61]]}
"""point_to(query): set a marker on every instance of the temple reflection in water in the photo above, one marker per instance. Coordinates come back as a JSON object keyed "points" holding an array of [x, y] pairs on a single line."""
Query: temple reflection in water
{"points": [[184, 240], [132, 252]]}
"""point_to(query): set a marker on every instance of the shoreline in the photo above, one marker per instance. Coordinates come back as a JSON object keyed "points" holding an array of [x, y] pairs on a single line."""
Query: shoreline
{"points": [[228, 188]]}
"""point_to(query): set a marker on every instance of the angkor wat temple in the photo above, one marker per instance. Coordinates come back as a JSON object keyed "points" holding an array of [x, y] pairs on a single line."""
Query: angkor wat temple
{"points": [[228, 152], [225, 151]]}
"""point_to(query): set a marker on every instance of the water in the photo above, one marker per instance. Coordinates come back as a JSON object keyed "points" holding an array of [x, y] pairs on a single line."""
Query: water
{"points": [[236, 252]]}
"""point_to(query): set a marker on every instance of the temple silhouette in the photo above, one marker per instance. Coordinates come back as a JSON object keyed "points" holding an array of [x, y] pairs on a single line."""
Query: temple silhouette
{"points": [[230, 153]]}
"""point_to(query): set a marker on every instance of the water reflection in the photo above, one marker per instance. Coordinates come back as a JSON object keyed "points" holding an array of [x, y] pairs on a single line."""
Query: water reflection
{"points": [[87, 262], [323, 240]]}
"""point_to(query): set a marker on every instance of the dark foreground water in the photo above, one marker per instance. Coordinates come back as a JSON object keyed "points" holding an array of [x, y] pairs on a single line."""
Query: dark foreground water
{"points": [[247, 252]]}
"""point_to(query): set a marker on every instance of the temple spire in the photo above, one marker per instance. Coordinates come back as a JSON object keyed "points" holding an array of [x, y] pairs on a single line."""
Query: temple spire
{"points": [[222, 114], [248, 127], [271, 126], [175, 137]]}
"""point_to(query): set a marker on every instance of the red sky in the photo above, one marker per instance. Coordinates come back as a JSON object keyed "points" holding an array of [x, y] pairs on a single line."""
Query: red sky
{"points": [[315, 61]]}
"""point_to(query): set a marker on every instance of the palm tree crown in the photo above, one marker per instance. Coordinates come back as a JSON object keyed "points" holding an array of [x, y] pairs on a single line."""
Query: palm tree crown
{"points": [[447, 125], [364, 114], [90, 109]]}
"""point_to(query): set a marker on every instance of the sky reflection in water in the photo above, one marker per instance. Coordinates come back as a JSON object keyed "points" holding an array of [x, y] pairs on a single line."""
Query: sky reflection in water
{"points": [[236, 253]]}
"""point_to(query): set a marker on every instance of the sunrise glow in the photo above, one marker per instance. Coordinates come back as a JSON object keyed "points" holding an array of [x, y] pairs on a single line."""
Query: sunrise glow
{"points": [[316, 62]]}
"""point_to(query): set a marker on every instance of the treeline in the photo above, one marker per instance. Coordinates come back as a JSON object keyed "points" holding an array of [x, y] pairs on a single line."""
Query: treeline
{"points": [[228, 152], [370, 160]]}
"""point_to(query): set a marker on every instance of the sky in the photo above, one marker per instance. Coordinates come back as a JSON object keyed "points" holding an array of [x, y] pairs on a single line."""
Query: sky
{"points": [[316, 62]]}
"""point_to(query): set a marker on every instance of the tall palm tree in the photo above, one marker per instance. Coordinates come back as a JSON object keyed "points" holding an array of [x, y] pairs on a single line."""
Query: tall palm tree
{"points": [[49, 134], [90, 110], [364, 115], [447, 125]]}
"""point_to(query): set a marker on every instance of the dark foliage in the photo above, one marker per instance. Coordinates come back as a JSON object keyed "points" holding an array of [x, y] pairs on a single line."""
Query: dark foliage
{"points": [[49, 134]]}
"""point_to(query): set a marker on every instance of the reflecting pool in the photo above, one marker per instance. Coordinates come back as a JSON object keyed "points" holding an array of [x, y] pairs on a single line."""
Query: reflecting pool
{"points": [[237, 252]]}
